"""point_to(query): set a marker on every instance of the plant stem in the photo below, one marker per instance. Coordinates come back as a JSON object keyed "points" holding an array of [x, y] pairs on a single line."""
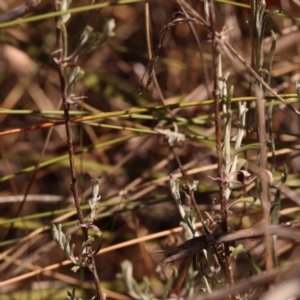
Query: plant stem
{"points": [[221, 175], [74, 187]]}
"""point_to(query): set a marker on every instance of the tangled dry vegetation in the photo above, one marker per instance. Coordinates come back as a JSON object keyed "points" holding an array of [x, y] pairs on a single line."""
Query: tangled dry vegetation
{"points": [[188, 112]]}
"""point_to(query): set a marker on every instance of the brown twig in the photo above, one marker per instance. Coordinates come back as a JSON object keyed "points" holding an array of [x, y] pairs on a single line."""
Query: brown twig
{"points": [[221, 174], [150, 53], [73, 185], [19, 11], [231, 53], [154, 55], [193, 13], [260, 109], [199, 45], [179, 280]]}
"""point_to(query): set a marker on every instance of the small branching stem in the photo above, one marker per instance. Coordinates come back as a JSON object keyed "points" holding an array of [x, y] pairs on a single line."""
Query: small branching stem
{"points": [[263, 176], [74, 187], [216, 95], [190, 193]]}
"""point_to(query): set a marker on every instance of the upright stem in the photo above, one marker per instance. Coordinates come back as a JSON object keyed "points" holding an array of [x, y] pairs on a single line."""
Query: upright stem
{"points": [[258, 24], [74, 187], [265, 196], [216, 95]]}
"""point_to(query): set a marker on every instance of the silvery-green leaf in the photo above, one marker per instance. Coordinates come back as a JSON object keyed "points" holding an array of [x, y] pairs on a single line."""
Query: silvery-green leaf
{"points": [[64, 5]]}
